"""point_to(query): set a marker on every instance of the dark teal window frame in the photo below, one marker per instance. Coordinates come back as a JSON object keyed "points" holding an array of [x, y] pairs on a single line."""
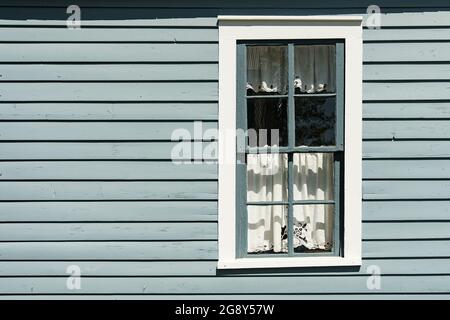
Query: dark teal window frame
{"points": [[337, 150]]}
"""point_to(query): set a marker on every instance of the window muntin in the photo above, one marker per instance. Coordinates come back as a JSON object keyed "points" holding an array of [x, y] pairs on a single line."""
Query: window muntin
{"points": [[303, 99]]}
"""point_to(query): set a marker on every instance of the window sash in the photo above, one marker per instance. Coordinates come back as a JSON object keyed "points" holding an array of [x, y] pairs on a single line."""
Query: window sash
{"points": [[337, 150]]}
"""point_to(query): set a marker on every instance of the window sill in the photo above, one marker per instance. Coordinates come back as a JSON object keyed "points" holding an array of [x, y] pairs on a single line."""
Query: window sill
{"points": [[251, 263]]}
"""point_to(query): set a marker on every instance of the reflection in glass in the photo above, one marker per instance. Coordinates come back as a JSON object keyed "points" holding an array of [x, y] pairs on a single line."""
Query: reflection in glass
{"points": [[315, 121], [268, 114], [313, 228], [267, 229], [266, 70], [313, 176], [315, 68]]}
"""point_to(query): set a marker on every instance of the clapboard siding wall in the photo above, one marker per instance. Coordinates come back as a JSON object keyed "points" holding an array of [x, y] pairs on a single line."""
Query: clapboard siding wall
{"points": [[85, 147]]}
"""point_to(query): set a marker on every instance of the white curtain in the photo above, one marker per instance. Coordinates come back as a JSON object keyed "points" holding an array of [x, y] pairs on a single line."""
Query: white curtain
{"points": [[313, 180], [315, 68], [267, 181], [267, 69]]}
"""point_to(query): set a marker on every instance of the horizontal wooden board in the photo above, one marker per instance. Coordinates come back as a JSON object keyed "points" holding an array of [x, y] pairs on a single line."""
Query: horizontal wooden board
{"points": [[406, 110], [192, 211], [107, 170], [122, 231], [416, 19], [191, 71], [108, 211], [209, 268], [405, 129], [108, 52], [101, 150], [136, 190], [54, 211], [189, 52], [405, 34], [111, 16], [406, 230], [406, 248], [406, 149], [109, 72], [112, 268], [160, 190], [131, 250], [172, 170], [386, 267], [191, 250], [99, 35], [405, 169], [55, 131], [387, 72], [228, 285], [409, 189], [113, 91], [109, 111], [133, 17], [407, 210], [162, 150], [191, 91], [374, 91], [406, 52], [168, 231]]}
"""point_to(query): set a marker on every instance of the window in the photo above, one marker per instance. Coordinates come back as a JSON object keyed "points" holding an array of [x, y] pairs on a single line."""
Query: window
{"points": [[293, 85], [290, 106]]}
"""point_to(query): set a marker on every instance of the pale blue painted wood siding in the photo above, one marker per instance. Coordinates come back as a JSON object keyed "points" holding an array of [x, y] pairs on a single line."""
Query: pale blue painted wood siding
{"points": [[85, 171]]}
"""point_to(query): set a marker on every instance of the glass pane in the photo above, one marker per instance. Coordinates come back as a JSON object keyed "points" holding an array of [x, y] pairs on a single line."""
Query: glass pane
{"points": [[315, 68], [267, 177], [267, 122], [313, 176], [313, 228], [267, 229], [315, 121], [267, 70]]}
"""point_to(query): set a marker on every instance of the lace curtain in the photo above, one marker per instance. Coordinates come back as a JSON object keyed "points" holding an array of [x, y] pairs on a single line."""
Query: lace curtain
{"points": [[267, 181], [313, 180], [267, 69], [314, 69]]}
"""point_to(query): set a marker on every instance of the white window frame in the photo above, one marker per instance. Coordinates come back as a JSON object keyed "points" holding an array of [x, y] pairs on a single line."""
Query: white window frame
{"points": [[235, 28]]}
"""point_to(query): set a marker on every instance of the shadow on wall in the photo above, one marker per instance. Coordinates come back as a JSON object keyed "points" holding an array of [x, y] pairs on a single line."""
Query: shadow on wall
{"points": [[179, 9], [286, 271]]}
